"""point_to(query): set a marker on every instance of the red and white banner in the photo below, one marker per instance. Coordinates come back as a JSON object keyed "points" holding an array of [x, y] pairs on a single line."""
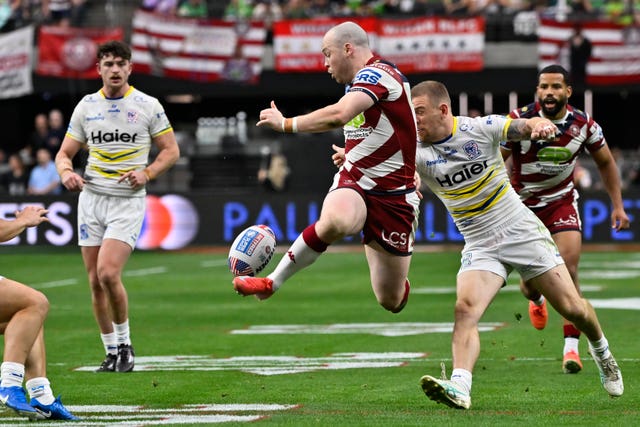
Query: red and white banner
{"points": [[71, 52], [16, 50], [200, 50], [415, 45], [433, 44], [615, 55], [297, 43]]}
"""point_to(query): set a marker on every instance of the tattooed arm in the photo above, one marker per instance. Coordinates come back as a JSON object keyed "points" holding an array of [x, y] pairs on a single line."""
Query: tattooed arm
{"points": [[533, 128]]}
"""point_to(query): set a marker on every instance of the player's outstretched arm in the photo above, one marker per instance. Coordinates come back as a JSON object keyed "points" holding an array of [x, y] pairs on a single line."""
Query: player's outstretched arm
{"points": [[533, 128], [321, 120]]}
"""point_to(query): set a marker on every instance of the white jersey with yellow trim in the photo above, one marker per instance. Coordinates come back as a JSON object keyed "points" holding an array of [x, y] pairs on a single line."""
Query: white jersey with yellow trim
{"points": [[466, 171], [119, 134]]}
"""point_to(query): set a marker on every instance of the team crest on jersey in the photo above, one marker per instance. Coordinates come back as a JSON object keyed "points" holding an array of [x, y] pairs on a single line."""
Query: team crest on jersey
{"points": [[472, 150], [132, 117], [574, 130]]}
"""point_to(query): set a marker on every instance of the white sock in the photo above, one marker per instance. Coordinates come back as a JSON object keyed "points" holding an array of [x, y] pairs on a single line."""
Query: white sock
{"points": [[12, 374], [600, 348], [570, 344], [463, 378], [40, 388], [303, 255], [110, 343], [539, 301], [122, 332]]}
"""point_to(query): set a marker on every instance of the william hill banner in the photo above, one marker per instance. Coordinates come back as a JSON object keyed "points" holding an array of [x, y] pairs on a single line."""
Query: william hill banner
{"points": [[71, 52], [417, 45]]}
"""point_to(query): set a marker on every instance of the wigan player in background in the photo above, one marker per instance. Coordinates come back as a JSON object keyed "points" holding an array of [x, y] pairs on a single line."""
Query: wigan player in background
{"points": [[374, 191], [118, 124], [542, 172]]}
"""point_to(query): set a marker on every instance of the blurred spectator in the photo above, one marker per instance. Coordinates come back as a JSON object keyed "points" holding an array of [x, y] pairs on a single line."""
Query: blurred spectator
{"points": [[427, 7], [39, 136], [57, 12], [267, 11], [475, 112], [238, 10], [458, 8], [16, 180], [296, 9], [618, 12], [78, 12], [193, 9], [322, 8], [9, 15], [31, 11], [386, 7], [57, 130], [274, 171], [581, 9], [166, 7], [4, 165], [582, 177], [44, 178], [579, 55]]}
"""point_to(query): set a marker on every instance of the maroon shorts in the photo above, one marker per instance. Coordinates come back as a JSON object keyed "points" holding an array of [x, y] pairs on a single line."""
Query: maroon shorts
{"points": [[391, 221], [561, 215]]}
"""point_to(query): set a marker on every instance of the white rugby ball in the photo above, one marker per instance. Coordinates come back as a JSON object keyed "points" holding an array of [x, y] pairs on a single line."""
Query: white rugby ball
{"points": [[251, 251]]}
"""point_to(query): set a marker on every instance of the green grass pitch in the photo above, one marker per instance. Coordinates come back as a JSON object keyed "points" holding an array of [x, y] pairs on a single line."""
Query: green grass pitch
{"points": [[321, 352]]}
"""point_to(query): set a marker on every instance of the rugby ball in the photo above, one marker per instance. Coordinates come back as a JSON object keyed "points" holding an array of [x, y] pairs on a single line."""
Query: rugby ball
{"points": [[251, 251]]}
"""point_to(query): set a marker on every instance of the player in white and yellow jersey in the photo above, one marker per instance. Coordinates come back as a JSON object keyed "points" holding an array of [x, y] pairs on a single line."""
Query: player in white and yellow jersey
{"points": [[118, 124], [459, 159]]}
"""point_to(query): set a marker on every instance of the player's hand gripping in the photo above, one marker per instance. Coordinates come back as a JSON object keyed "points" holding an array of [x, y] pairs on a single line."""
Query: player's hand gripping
{"points": [[544, 129]]}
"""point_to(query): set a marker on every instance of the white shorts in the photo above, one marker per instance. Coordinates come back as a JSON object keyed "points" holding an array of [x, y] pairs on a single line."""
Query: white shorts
{"points": [[109, 217], [523, 244]]}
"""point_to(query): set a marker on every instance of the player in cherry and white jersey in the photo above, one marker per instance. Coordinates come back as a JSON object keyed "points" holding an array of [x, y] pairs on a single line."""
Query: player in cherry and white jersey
{"points": [[374, 192], [118, 124], [543, 173]]}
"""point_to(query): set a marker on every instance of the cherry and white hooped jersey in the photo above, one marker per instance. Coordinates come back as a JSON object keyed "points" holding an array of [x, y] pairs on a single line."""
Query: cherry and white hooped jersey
{"points": [[119, 134], [543, 170], [466, 171], [380, 143]]}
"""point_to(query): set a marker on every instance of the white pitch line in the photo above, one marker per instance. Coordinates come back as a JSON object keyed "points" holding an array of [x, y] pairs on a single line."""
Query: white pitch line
{"points": [[56, 284], [70, 282], [145, 271]]}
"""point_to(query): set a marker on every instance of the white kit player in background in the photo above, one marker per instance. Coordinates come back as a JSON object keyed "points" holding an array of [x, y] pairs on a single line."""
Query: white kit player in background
{"points": [[375, 190], [118, 124]]}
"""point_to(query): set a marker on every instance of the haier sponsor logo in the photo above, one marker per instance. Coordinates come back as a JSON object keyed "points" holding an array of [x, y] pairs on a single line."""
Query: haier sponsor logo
{"points": [[100, 137], [467, 172]]}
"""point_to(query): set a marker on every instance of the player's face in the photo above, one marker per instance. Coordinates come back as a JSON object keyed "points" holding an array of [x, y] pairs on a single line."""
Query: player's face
{"points": [[553, 95], [335, 62], [115, 72], [428, 119]]}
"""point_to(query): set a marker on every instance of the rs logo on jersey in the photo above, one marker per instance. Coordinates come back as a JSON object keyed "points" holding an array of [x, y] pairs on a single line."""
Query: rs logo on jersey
{"points": [[367, 76]]}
